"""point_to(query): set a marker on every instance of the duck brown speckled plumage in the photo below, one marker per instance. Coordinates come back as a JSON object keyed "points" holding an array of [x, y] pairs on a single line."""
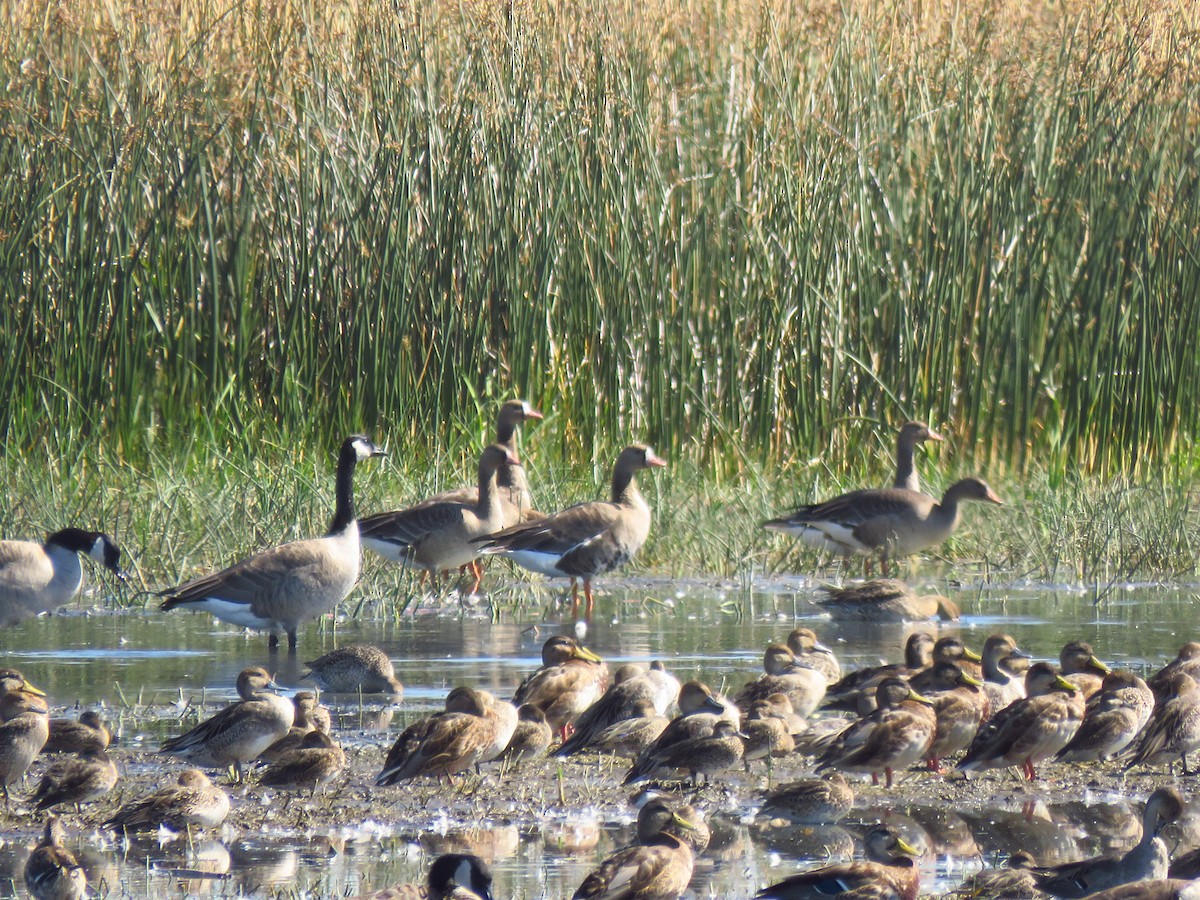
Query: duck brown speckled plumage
{"points": [[658, 868], [78, 779], [193, 800], [22, 737], [356, 668], [52, 872], [570, 680], [888, 873], [88, 732]]}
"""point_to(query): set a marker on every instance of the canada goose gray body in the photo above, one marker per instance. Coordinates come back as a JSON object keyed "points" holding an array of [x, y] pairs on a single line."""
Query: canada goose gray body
{"points": [[281, 588], [52, 872], [37, 578], [437, 535], [238, 733], [194, 800]]}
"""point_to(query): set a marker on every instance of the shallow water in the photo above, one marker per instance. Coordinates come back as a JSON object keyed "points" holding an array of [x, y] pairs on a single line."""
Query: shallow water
{"points": [[132, 661]]}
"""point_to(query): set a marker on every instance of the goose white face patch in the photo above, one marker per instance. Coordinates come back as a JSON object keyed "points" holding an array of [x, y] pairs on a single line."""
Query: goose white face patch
{"points": [[363, 449], [464, 874], [99, 549]]}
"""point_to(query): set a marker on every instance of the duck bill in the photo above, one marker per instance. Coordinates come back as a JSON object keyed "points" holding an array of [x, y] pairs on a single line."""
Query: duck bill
{"points": [[682, 822], [1061, 682], [972, 655], [1098, 666], [36, 691], [713, 705], [906, 848], [919, 698], [585, 653], [971, 680]]}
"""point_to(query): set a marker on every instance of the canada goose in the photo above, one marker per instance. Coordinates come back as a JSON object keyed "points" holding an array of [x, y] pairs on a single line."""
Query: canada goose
{"points": [[37, 578], [658, 868], [52, 872], [911, 434], [810, 801], [889, 871], [315, 763], [194, 800], [1147, 859], [356, 668], [240, 732], [571, 679], [1114, 716], [77, 779], [454, 876], [890, 522], [438, 535], [22, 737], [587, 539], [281, 588], [78, 736]]}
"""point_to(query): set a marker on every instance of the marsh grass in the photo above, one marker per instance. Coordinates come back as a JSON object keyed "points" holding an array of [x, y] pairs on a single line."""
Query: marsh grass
{"points": [[745, 231]]}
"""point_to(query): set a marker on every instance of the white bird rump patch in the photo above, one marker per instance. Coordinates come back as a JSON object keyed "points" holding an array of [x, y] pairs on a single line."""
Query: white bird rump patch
{"points": [[239, 614]]}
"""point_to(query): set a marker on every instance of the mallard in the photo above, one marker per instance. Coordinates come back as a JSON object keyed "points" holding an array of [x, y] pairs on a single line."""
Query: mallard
{"points": [[22, 736], [886, 600], [453, 876], [1186, 661], [1174, 726], [699, 711], [847, 693], [804, 687], [532, 737], [88, 732], [52, 872], [241, 731], [1080, 666], [891, 522], [1148, 859], [632, 690], [706, 756], [1014, 882], [354, 669], [659, 868], [1002, 681], [960, 706], [809, 651], [587, 539], [315, 763], [451, 742], [461, 700], [80, 779], [888, 873], [1113, 718], [1032, 729], [951, 650], [193, 800], [896, 735], [13, 680], [630, 737], [570, 680], [13, 703], [810, 801]]}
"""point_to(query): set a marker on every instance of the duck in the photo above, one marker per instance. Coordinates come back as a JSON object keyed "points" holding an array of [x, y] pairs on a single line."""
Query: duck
{"points": [[635, 693], [571, 679], [532, 737], [279, 589], [192, 801], [460, 701], [659, 867], [452, 876], [699, 711], [707, 755], [810, 652], [437, 535], [315, 763], [898, 734], [1174, 726], [1029, 730], [891, 523], [13, 680], [848, 693], [824, 800], [88, 732], [77, 779], [240, 732], [307, 716], [1152, 889], [1013, 882], [629, 738], [451, 742], [911, 434], [1186, 661], [960, 706], [1003, 676], [951, 650], [1113, 718], [22, 736], [804, 687], [1080, 666], [356, 669], [766, 730], [1148, 859], [886, 600], [588, 539], [888, 873], [52, 872], [37, 578]]}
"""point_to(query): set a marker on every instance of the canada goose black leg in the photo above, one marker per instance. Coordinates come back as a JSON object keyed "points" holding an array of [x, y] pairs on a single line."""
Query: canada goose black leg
{"points": [[292, 641], [273, 641]]}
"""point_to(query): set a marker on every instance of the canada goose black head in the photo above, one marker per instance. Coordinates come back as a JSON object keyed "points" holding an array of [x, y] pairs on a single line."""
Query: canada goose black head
{"points": [[96, 544], [460, 870]]}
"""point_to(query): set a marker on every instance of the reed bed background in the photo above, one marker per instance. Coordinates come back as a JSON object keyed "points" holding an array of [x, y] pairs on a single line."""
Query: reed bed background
{"points": [[757, 234]]}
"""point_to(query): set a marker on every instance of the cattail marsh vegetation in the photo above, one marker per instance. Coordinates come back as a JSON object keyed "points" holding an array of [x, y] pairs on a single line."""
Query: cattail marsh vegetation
{"points": [[758, 235]]}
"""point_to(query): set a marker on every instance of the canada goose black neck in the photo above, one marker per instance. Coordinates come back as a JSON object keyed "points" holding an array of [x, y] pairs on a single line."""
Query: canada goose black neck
{"points": [[343, 513]]}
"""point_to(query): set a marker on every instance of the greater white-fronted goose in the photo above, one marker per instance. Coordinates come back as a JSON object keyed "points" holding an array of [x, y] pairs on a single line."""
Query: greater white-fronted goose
{"points": [[281, 588], [22, 736], [1032, 729], [439, 535], [454, 876], [588, 539], [571, 679], [1147, 859], [888, 873], [37, 578], [1174, 727], [356, 668], [911, 434], [891, 522], [77, 779], [1115, 715], [193, 800], [886, 600], [52, 872], [242, 731]]}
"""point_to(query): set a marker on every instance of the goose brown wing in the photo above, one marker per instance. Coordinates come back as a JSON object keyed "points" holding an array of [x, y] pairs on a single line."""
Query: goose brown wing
{"points": [[250, 579]]}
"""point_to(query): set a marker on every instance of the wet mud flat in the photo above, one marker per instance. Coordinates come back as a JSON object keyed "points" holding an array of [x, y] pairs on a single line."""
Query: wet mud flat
{"points": [[545, 822]]}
